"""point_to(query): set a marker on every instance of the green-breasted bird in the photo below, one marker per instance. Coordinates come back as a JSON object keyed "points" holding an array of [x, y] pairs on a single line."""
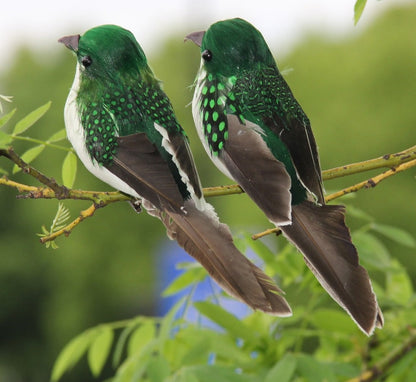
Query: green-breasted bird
{"points": [[257, 134], [123, 128]]}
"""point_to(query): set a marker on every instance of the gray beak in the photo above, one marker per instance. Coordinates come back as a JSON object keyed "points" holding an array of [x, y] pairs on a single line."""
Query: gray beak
{"points": [[71, 42], [196, 37]]}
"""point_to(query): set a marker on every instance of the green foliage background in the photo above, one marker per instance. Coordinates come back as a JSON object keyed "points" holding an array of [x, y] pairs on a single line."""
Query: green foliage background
{"points": [[359, 94]]}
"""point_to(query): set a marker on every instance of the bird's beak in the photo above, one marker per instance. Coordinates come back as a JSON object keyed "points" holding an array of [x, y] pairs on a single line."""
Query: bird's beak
{"points": [[196, 37], [71, 42]]}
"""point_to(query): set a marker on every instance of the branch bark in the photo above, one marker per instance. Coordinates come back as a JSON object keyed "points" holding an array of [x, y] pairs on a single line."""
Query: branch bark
{"points": [[396, 163], [369, 183], [381, 367]]}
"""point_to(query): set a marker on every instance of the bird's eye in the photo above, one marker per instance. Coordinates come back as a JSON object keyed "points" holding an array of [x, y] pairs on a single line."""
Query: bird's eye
{"points": [[207, 55], [86, 61]]}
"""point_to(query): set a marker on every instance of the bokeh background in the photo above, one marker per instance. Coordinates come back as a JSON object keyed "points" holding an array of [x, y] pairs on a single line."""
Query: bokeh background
{"points": [[357, 85]]}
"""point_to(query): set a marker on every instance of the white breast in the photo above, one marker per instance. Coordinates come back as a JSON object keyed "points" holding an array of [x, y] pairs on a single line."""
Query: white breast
{"points": [[76, 135], [197, 115]]}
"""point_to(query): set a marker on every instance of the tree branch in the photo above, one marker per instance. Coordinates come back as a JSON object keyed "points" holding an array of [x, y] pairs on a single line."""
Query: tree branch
{"points": [[89, 212], [60, 191], [372, 182], [369, 183], [385, 161], [390, 359], [396, 163]]}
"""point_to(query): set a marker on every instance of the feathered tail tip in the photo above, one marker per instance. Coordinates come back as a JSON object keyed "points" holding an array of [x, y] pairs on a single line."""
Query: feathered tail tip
{"points": [[320, 233], [211, 243]]}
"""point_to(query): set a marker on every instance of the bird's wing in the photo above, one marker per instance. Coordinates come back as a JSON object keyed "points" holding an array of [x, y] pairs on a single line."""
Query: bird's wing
{"points": [[297, 135], [139, 163], [210, 242], [320, 233], [176, 144], [162, 129], [250, 163], [274, 108]]}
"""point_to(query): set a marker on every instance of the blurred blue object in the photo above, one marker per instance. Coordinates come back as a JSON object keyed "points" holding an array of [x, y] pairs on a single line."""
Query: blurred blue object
{"points": [[207, 290]]}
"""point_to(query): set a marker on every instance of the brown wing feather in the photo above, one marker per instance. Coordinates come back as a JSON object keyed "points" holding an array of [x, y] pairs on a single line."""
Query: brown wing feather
{"points": [[299, 139], [139, 164], [320, 233], [183, 155], [211, 243], [252, 165]]}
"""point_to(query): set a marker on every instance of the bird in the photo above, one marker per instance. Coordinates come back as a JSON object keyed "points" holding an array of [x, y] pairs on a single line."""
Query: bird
{"points": [[123, 128], [257, 134]]}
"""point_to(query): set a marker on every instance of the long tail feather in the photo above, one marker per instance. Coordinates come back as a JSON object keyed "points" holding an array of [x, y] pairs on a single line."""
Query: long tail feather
{"points": [[210, 242], [320, 233]]}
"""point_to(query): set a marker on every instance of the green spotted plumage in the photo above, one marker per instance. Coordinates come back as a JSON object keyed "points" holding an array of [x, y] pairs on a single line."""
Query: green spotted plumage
{"points": [[256, 96], [271, 152], [130, 102], [123, 128]]}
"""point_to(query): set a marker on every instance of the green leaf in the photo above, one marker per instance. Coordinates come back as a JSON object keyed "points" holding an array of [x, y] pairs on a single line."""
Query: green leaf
{"points": [[228, 321], [69, 169], [118, 351], [7, 117], [331, 320], [217, 373], [344, 370], [396, 234], [158, 369], [283, 370], [186, 376], [99, 350], [372, 251], [169, 320], [3, 171], [191, 276], [313, 370], [358, 213], [58, 136], [71, 354], [141, 337], [358, 10], [225, 347], [399, 286], [30, 119], [61, 217], [29, 156], [5, 140], [59, 221], [400, 370], [132, 369]]}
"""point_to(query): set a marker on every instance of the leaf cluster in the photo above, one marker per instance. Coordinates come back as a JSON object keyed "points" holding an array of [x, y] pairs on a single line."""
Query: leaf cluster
{"points": [[320, 342], [69, 166]]}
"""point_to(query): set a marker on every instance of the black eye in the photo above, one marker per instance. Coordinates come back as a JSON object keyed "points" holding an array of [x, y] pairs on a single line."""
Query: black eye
{"points": [[86, 61], [207, 55]]}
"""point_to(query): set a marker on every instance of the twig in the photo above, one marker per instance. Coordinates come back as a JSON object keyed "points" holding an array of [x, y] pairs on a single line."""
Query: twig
{"points": [[269, 231], [369, 183], [390, 359], [372, 182], [89, 212], [396, 162], [101, 198], [385, 161], [60, 191], [231, 189], [388, 160]]}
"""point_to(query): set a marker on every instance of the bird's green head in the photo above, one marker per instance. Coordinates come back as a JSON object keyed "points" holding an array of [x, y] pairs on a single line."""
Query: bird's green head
{"points": [[232, 45], [106, 52]]}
